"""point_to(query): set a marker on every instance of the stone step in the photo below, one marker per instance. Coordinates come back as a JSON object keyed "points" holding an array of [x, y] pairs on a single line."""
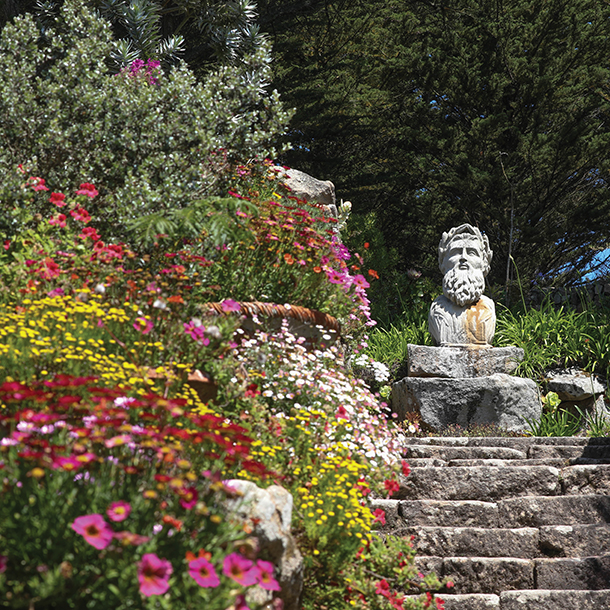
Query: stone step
{"points": [[472, 601], [544, 599], [494, 575], [543, 452], [475, 541], [555, 463], [574, 540], [521, 443], [580, 573], [537, 511], [443, 513], [485, 483], [490, 575], [461, 453], [585, 479]]}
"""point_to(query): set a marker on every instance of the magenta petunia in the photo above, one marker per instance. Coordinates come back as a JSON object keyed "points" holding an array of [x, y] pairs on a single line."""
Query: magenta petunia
{"points": [[118, 511], [153, 575], [265, 576], [229, 305], [240, 569], [203, 572], [94, 530], [87, 189]]}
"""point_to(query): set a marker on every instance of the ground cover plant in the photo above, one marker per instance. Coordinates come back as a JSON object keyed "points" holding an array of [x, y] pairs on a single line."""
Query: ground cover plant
{"points": [[96, 346]]}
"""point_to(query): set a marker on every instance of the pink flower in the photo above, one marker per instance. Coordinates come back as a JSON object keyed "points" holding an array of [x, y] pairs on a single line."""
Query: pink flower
{"points": [[265, 576], [188, 498], [58, 219], [153, 574], [94, 530], [360, 282], [406, 471], [196, 332], [116, 441], [379, 515], [89, 232], [335, 277], [3, 562], [240, 569], [68, 463], [203, 572], [129, 538], [341, 413], [37, 183], [229, 305], [87, 189], [240, 603], [143, 325], [81, 215], [118, 511], [58, 199]]}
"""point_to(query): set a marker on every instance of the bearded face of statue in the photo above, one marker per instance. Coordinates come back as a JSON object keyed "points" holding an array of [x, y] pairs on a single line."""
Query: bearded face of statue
{"points": [[463, 266]]}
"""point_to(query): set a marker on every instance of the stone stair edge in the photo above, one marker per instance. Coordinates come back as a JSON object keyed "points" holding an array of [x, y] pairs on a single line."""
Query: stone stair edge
{"points": [[504, 441]]}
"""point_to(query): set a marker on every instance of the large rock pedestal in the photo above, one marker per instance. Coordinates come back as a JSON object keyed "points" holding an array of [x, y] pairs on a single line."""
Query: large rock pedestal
{"points": [[466, 385]]}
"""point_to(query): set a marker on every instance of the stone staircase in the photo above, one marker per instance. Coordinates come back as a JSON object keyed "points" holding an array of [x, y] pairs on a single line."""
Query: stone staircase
{"points": [[515, 523]]}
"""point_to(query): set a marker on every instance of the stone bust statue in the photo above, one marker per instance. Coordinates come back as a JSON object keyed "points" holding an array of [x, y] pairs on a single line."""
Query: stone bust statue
{"points": [[461, 315]]}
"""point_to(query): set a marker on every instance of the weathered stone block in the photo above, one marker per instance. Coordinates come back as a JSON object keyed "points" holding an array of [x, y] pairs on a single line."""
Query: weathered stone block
{"points": [[587, 573], [485, 483], [489, 575], [554, 600], [574, 540], [535, 511], [474, 541], [586, 479], [498, 399], [464, 513], [463, 361]]}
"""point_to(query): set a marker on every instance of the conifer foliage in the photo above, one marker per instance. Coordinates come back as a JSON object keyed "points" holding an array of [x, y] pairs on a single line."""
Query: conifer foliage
{"points": [[435, 113]]}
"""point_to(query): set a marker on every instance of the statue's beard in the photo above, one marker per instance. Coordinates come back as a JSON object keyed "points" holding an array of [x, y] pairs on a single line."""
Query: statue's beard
{"points": [[463, 287]]}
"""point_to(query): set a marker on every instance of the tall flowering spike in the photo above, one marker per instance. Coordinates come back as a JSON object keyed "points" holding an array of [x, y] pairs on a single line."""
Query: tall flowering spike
{"points": [[265, 576], [94, 530], [153, 575], [240, 569], [203, 572]]}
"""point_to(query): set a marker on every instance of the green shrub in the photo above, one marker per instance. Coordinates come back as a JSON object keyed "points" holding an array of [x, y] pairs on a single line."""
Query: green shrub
{"points": [[156, 141]]}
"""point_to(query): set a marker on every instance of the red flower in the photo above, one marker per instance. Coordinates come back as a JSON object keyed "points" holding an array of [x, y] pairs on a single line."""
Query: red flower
{"points": [[58, 199], [406, 471], [391, 486], [81, 215], [379, 515], [87, 189], [89, 232], [59, 220], [37, 183]]}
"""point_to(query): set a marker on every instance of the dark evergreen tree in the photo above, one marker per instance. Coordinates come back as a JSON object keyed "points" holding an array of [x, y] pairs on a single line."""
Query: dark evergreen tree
{"points": [[431, 113]]}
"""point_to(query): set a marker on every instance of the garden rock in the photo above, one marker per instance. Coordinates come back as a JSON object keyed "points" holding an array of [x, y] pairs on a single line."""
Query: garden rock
{"points": [[496, 399], [309, 188], [574, 384], [462, 361], [269, 513]]}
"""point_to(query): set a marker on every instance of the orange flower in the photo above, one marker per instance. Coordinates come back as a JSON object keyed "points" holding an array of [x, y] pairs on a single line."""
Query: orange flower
{"points": [[288, 258], [373, 274]]}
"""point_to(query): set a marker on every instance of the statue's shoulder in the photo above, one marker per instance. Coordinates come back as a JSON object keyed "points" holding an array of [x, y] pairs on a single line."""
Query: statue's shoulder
{"points": [[488, 303]]}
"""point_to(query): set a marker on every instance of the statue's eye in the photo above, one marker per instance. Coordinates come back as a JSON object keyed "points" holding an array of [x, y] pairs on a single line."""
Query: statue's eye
{"points": [[473, 252]]}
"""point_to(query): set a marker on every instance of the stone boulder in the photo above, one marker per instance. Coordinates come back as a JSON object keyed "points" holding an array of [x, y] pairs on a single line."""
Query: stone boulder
{"points": [[494, 399], [309, 188], [578, 388], [462, 361], [269, 513]]}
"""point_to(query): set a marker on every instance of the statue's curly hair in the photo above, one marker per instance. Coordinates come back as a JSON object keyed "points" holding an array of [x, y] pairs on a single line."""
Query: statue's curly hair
{"points": [[465, 229]]}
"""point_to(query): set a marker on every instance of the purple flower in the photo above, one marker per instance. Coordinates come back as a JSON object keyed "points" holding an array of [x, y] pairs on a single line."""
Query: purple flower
{"points": [[153, 574], [229, 305], [203, 572]]}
